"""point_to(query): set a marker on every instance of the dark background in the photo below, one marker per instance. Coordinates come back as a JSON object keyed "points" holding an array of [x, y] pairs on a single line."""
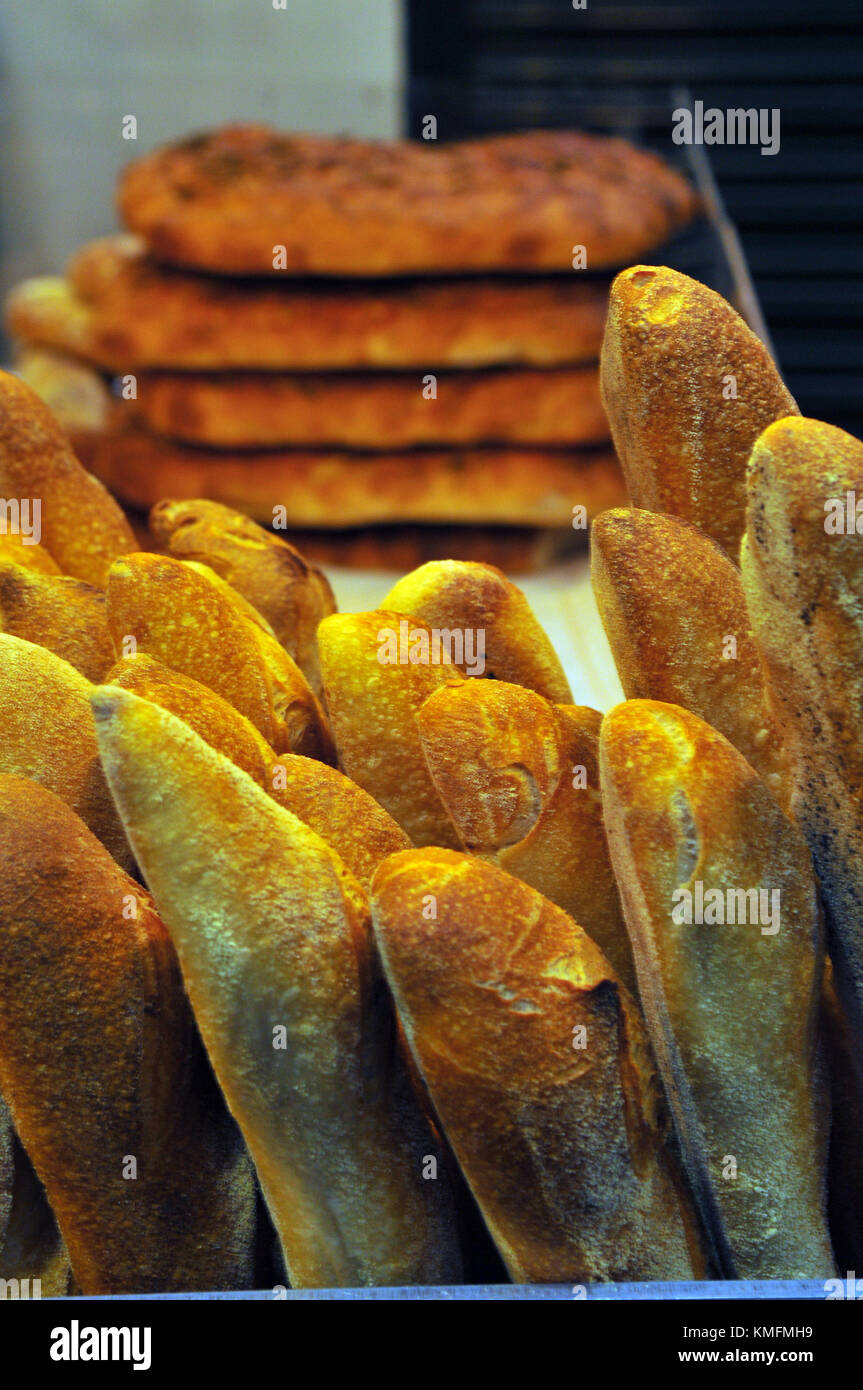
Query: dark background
{"points": [[485, 65]]}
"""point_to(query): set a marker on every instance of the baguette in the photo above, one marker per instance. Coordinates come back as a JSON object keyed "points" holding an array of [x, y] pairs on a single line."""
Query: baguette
{"points": [[183, 617], [16, 550], [804, 587], [563, 1147], [273, 933], [373, 693], [670, 599], [102, 1069], [211, 717], [290, 593], [83, 529], [48, 736], [55, 611], [457, 594], [731, 1008], [520, 781], [687, 388]]}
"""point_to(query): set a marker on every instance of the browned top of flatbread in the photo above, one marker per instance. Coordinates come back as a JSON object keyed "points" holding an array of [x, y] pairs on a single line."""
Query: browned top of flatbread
{"points": [[223, 200]]}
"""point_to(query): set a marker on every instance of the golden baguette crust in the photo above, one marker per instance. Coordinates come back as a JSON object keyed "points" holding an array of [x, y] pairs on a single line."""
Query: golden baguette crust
{"points": [[55, 611], [357, 828], [670, 599], [121, 311], [504, 762], [224, 200], [562, 1145], [671, 349], [48, 737], [17, 550], [338, 489], [182, 617], [82, 527], [290, 593], [448, 594], [273, 934], [804, 588], [361, 832], [731, 1007], [373, 697], [364, 410], [213, 719], [101, 1065]]}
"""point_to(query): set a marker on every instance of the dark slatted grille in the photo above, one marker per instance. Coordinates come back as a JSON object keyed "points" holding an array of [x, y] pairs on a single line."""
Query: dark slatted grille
{"points": [[485, 65]]}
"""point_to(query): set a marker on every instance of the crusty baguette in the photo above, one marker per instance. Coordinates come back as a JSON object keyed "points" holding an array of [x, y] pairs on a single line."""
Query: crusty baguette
{"points": [[273, 933], [731, 1007], [462, 594], [83, 529], [17, 550], [373, 703], [361, 832], [211, 717], [181, 616], [48, 736], [673, 354], [103, 1071], [804, 588], [670, 599], [539, 1068], [55, 611], [520, 780], [291, 594]]}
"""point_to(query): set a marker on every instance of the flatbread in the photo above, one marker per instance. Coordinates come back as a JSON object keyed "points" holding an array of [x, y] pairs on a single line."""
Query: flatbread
{"points": [[375, 410], [223, 201], [337, 489], [121, 311]]}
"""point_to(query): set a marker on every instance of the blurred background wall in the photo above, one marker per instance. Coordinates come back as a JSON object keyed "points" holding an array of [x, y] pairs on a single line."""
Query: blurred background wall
{"points": [[71, 69]]}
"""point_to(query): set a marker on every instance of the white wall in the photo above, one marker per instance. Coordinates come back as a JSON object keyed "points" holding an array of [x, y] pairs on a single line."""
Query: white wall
{"points": [[71, 69]]}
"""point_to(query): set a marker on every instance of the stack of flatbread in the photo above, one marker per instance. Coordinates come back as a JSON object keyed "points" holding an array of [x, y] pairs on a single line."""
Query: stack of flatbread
{"points": [[333, 333]]}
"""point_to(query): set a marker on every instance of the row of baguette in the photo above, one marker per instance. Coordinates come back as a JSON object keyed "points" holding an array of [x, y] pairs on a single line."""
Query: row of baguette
{"points": [[520, 1061]]}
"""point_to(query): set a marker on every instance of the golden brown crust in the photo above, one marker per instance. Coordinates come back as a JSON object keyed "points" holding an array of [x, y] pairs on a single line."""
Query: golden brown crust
{"points": [[673, 353], [362, 410], [558, 1131], [31, 1247], [273, 935], [674, 612], [361, 832], [82, 526], [65, 615], [17, 550], [290, 593], [224, 200], [374, 692], [804, 589], [48, 736], [520, 781], [337, 489], [214, 720], [181, 616], [123, 312], [450, 594], [731, 1007], [101, 1066], [77, 395]]}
